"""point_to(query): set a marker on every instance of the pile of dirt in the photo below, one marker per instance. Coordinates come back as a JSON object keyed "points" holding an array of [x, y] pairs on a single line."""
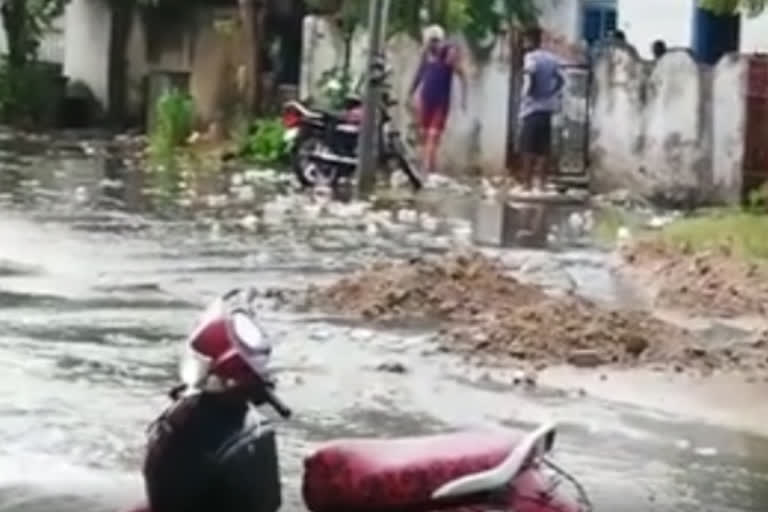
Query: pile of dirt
{"points": [[710, 283], [459, 287], [491, 316]]}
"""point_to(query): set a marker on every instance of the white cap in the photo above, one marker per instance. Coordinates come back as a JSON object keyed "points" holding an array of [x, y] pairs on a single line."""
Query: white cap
{"points": [[434, 32]]}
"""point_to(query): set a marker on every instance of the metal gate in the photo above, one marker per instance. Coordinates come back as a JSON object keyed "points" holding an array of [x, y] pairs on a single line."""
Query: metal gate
{"points": [[755, 161], [571, 126]]}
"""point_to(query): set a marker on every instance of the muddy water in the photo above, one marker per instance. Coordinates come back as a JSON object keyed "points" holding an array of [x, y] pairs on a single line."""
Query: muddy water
{"points": [[92, 306]]}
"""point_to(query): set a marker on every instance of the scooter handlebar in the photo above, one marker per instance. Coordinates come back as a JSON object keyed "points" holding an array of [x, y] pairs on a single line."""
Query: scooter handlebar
{"points": [[277, 404]]}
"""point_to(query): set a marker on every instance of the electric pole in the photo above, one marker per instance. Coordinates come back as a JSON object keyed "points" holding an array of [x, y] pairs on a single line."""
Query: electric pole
{"points": [[368, 143]]}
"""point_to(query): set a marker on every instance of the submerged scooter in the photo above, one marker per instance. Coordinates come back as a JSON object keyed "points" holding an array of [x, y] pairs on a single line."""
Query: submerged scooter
{"points": [[497, 469]]}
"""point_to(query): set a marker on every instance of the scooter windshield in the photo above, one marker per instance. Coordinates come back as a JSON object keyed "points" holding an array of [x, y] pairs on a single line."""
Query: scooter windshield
{"points": [[254, 347]]}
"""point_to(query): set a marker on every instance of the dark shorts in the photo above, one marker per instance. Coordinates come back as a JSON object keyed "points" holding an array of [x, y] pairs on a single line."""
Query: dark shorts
{"points": [[536, 134]]}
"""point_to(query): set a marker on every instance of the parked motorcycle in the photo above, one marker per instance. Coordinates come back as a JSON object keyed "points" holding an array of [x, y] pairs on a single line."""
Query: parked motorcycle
{"points": [[324, 145], [500, 470]]}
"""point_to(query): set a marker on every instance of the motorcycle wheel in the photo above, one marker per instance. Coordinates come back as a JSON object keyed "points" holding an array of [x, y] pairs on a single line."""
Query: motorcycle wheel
{"points": [[400, 159], [305, 170]]}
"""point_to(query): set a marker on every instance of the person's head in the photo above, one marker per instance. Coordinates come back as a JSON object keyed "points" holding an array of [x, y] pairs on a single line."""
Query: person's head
{"points": [[532, 38], [658, 48], [434, 37]]}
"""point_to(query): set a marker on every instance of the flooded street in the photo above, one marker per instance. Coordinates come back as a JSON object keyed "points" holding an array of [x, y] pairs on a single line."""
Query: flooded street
{"points": [[93, 305]]}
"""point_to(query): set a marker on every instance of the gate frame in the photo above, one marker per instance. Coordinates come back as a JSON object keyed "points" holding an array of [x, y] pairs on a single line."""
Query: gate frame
{"points": [[512, 159], [754, 162]]}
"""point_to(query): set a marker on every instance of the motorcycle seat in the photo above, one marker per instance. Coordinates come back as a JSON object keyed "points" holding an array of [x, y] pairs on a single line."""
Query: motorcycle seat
{"points": [[352, 474]]}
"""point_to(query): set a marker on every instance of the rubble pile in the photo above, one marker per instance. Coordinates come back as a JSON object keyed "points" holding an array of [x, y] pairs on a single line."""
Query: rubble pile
{"points": [[493, 318], [710, 283], [458, 287]]}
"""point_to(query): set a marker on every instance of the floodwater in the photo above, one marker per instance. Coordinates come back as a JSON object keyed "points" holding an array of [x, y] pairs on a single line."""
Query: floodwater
{"points": [[93, 304]]}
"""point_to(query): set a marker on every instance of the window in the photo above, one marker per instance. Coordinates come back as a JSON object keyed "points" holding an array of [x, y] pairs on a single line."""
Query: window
{"points": [[599, 19]]}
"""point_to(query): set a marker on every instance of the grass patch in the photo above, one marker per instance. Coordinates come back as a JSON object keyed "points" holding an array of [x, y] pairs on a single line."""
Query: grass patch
{"points": [[262, 142], [171, 124], [744, 233]]}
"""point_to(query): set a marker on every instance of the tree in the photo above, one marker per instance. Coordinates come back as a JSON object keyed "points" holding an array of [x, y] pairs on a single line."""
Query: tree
{"points": [[749, 7], [25, 23], [252, 17], [475, 18], [27, 90], [117, 65]]}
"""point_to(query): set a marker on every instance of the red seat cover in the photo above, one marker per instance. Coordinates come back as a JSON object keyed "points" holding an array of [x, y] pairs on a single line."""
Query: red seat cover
{"points": [[391, 473]]}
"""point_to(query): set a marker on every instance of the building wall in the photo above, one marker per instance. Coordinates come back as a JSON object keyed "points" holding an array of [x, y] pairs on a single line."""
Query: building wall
{"points": [[672, 131], [201, 44], [217, 55], [729, 121], [86, 45], [207, 45], [476, 138]]}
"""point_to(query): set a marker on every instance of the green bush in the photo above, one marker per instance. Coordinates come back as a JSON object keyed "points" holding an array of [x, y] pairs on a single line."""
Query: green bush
{"points": [[263, 142], [757, 199], [172, 123], [170, 127], [29, 94]]}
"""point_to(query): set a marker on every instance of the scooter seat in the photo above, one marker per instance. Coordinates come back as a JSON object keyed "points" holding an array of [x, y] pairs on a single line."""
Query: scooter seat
{"points": [[361, 474]]}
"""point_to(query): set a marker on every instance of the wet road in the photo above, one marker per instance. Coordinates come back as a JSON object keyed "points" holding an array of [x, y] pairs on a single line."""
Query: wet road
{"points": [[91, 319]]}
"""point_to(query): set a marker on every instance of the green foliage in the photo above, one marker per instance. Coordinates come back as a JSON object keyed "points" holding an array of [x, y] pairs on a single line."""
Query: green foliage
{"points": [[741, 231], [42, 14], [335, 85], [263, 142], [757, 200], [480, 20], [170, 127], [26, 22], [749, 7], [27, 88], [520, 12], [29, 94], [171, 124]]}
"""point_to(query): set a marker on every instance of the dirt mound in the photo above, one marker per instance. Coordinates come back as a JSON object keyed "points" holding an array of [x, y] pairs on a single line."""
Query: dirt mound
{"points": [[491, 316], [713, 283], [459, 287]]}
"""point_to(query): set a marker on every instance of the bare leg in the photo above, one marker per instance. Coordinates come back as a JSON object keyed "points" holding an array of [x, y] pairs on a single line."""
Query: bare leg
{"points": [[545, 167], [546, 170], [539, 164], [431, 147], [527, 171], [527, 148]]}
